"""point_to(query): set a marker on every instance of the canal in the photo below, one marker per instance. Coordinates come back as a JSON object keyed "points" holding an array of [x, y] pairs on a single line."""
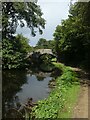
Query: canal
{"points": [[20, 85]]}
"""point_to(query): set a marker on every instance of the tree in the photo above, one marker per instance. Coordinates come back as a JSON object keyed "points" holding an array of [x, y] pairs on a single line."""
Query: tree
{"points": [[15, 12], [45, 44], [57, 36], [42, 43], [74, 35], [15, 48]]}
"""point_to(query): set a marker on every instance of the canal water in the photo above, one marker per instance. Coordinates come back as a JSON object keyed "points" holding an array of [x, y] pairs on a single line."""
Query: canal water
{"points": [[20, 85]]}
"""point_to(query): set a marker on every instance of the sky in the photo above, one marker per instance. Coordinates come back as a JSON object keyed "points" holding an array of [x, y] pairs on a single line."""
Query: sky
{"points": [[54, 11]]}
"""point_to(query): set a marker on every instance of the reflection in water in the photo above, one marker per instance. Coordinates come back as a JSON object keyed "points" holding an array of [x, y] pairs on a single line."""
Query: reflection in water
{"points": [[12, 82], [18, 86]]}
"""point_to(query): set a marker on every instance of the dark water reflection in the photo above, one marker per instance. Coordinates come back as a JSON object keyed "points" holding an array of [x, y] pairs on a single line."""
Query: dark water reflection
{"points": [[20, 85]]}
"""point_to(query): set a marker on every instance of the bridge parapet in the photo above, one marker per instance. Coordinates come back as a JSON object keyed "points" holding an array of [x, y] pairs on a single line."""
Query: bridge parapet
{"points": [[41, 51]]}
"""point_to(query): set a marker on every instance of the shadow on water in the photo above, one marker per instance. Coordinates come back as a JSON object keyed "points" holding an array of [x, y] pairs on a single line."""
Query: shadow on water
{"points": [[12, 81], [20, 85]]}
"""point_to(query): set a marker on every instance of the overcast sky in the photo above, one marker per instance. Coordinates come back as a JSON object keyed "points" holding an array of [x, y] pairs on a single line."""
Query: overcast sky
{"points": [[53, 12]]}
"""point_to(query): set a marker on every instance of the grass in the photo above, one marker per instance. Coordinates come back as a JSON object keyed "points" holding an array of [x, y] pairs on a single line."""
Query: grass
{"points": [[71, 94], [71, 99], [62, 98]]}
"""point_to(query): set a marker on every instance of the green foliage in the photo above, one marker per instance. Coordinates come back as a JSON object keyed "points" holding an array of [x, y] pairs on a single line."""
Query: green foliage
{"points": [[73, 36], [53, 106], [47, 67], [13, 14], [14, 52], [44, 44], [28, 12]]}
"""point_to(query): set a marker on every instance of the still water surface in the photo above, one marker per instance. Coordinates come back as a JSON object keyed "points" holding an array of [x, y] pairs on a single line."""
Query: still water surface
{"points": [[20, 85]]}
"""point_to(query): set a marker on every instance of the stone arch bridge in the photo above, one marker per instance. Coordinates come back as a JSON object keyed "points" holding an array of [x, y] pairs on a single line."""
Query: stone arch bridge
{"points": [[42, 58], [40, 52]]}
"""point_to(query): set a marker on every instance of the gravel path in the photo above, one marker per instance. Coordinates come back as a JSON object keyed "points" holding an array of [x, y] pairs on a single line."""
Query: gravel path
{"points": [[82, 107]]}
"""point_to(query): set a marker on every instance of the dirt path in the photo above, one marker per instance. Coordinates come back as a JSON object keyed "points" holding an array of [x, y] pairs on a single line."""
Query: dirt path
{"points": [[81, 109]]}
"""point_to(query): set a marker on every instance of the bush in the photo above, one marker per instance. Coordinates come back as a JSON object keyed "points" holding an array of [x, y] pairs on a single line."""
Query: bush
{"points": [[14, 52]]}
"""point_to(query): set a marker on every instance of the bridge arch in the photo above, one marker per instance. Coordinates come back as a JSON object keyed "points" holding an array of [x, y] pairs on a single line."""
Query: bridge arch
{"points": [[48, 56]]}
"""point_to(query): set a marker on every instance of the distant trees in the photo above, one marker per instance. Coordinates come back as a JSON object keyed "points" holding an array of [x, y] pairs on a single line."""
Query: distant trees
{"points": [[73, 36], [42, 43], [15, 48], [45, 44]]}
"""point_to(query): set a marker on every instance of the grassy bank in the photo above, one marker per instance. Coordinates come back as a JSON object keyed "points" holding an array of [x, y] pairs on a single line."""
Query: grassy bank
{"points": [[62, 98]]}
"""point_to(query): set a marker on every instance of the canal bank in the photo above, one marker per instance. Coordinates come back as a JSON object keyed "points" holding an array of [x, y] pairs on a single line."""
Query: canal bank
{"points": [[59, 102], [62, 98]]}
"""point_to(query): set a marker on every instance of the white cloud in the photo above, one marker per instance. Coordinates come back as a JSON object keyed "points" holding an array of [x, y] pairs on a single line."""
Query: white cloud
{"points": [[52, 1], [54, 11]]}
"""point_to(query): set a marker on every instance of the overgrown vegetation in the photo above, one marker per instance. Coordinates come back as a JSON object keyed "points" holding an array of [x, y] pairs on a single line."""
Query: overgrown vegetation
{"points": [[54, 105], [14, 52]]}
